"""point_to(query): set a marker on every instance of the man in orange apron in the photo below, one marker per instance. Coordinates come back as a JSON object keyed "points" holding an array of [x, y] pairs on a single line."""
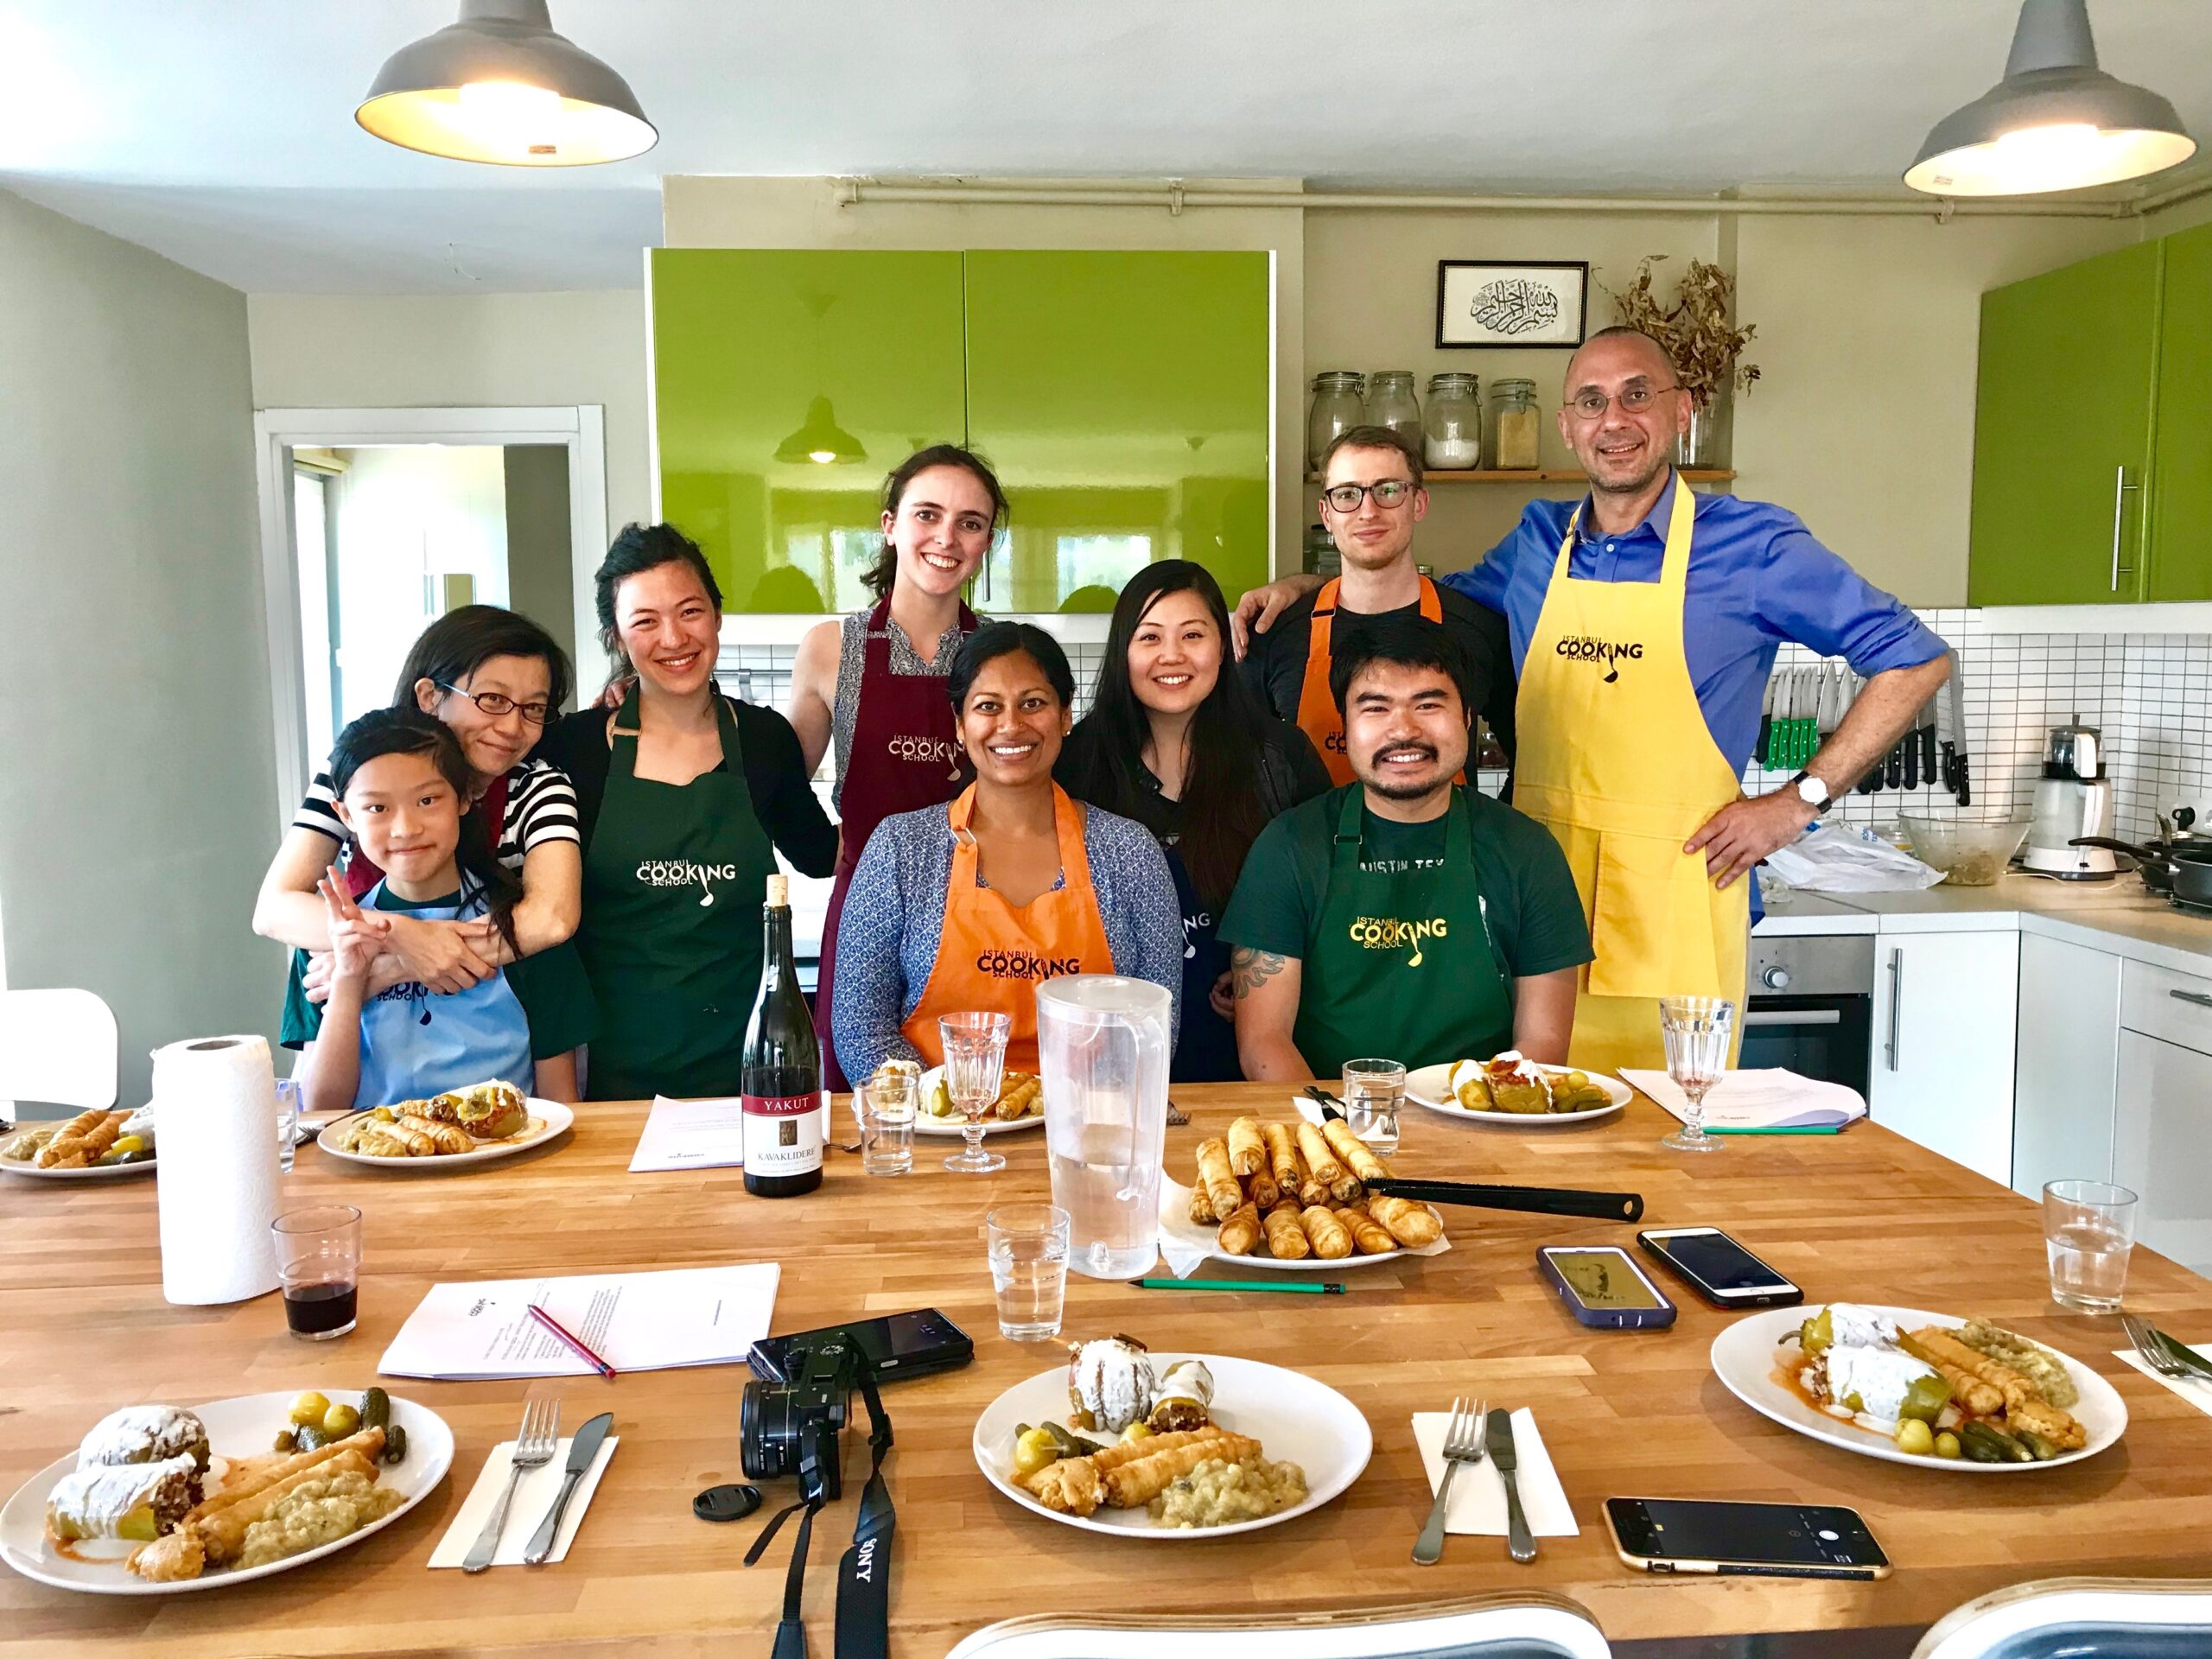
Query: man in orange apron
{"points": [[1646, 619]]}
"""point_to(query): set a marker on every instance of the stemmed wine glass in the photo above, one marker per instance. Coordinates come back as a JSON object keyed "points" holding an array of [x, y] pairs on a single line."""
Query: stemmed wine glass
{"points": [[974, 1062], [1700, 1031]]}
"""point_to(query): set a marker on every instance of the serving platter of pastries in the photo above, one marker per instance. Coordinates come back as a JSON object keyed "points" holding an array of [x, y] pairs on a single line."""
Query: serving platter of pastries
{"points": [[1293, 1195], [1120, 1440], [1512, 1092], [91, 1146], [163, 1500], [475, 1125]]}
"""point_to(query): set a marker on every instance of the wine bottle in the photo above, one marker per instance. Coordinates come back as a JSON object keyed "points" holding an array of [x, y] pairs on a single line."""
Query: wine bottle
{"points": [[782, 1088]]}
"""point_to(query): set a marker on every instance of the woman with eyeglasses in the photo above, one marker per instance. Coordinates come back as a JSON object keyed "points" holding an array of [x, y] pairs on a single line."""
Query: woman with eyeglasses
{"points": [[1176, 740], [685, 797], [495, 678]]}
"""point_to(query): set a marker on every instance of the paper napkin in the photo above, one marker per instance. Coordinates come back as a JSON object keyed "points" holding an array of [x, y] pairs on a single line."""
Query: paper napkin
{"points": [[2198, 1393], [1477, 1505], [534, 1497], [1758, 1099]]}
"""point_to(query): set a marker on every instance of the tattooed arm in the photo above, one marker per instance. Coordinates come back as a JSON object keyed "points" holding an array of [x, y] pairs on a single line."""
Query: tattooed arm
{"points": [[1266, 987]]}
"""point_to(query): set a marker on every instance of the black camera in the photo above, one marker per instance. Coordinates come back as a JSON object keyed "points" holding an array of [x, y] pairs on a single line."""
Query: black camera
{"points": [[794, 1427]]}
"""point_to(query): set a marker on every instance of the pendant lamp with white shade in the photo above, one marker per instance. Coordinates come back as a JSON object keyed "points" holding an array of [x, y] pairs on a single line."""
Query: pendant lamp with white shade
{"points": [[500, 87], [2056, 122]]}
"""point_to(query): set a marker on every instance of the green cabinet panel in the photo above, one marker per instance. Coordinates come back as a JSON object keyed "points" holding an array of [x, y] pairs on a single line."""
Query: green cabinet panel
{"points": [[2181, 466], [758, 352], [1123, 398], [2062, 434]]}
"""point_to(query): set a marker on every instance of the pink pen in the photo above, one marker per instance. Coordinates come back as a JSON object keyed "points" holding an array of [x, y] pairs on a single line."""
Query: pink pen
{"points": [[556, 1327]]}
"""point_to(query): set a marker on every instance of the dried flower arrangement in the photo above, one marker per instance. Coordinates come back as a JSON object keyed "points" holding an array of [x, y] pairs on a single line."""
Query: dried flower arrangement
{"points": [[1697, 330]]}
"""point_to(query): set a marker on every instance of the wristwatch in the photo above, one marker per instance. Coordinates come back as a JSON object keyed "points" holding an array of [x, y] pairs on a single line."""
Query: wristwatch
{"points": [[1811, 791]]}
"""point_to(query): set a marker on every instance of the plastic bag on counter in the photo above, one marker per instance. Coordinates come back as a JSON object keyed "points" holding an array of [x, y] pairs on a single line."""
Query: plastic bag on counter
{"points": [[1838, 858]]}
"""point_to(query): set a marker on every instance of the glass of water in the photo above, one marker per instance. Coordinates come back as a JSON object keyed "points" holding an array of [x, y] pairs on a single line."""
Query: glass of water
{"points": [[883, 1107], [1700, 1033], [1373, 1091], [2089, 1231], [1029, 1267]]}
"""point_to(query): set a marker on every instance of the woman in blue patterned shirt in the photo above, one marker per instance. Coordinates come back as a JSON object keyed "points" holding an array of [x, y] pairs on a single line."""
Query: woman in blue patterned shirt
{"points": [[967, 908]]}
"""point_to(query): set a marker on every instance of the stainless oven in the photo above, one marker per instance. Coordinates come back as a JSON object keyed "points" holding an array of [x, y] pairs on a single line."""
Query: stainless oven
{"points": [[1810, 1006]]}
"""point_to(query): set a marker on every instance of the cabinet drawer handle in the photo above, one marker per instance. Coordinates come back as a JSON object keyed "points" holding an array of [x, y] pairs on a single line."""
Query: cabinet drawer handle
{"points": [[2120, 486], [1896, 1002], [1796, 1017], [2196, 998]]}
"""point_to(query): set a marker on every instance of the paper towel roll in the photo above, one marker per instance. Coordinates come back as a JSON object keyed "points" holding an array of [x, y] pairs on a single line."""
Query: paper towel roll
{"points": [[216, 1168]]}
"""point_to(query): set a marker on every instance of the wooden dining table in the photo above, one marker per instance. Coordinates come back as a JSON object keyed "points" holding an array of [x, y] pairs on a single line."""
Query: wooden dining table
{"points": [[1862, 1216]]}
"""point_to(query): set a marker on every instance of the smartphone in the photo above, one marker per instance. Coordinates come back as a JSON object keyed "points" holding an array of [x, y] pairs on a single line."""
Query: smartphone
{"points": [[1718, 1268], [898, 1344], [1603, 1287], [1785, 1541]]}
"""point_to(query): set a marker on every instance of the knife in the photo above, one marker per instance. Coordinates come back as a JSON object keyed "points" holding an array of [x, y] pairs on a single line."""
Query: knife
{"points": [[582, 1450], [1497, 1434], [2188, 1357], [1947, 742], [1954, 691], [1927, 742], [1330, 1105]]}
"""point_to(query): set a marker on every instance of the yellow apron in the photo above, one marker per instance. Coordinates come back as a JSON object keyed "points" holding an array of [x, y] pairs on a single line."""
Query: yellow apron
{"points": [[1617, 761]]}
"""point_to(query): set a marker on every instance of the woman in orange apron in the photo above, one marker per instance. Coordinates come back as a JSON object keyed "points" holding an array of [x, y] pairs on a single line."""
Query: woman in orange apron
{"points": [[968, 907]]}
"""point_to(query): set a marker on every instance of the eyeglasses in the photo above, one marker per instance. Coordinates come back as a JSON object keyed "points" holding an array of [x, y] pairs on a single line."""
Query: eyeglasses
{"points": [[1346, 498], [1635, 397], [498, 705]]}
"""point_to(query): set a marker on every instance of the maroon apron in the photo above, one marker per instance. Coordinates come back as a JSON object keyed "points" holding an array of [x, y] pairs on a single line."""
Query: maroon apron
{"points": [[905, 755]]}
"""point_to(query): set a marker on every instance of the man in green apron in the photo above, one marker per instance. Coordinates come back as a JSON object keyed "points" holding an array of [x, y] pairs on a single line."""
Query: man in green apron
{"points": [[1401, 916]]}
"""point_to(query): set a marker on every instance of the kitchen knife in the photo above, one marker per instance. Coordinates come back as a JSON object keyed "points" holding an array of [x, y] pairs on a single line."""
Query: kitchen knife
{"points": [[1927, 742], [1893, 770], [1954, 693], [1498, 1435], [1764, 748], [1947, 746], [582, 1450]]}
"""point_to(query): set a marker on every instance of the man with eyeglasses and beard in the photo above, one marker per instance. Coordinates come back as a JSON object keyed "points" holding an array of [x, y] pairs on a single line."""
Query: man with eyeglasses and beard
{"points": [[1644, 621], [1371, 499], [1404, 914]]}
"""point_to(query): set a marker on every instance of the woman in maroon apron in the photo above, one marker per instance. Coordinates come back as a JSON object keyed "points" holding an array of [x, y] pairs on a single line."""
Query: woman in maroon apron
{"points": [[873, 682]]}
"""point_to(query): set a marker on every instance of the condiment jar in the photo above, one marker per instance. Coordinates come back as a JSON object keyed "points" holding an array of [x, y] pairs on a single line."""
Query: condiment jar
{"points": [[1515, 430], [1452, 425], [1391, 403], [1339, 403]]}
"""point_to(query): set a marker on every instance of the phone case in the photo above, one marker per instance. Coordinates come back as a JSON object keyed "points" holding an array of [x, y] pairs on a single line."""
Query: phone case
{"points": [[1788, 1297], [1664, 1565], [1609, 1318]]}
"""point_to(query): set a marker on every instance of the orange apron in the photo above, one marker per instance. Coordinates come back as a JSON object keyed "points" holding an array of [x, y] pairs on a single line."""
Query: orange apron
{"points": [[1617, 761], [991, 955], [1316, 710]]}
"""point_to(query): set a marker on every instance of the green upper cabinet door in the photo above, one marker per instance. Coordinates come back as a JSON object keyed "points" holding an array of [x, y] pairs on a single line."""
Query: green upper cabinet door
{"points": [[2181, 470], [2063, 433], [1123, 398], [785, 385]]}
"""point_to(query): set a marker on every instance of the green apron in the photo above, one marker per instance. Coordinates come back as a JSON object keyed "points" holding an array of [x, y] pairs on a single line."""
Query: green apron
{"points": [[672, 923], [1402, 965]]}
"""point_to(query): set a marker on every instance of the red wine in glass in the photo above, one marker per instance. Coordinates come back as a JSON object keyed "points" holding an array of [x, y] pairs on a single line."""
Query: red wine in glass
{"points": [[321, 1310]]}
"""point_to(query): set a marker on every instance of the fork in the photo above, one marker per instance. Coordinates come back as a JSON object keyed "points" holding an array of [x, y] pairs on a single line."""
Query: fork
{"points": [[535, 1445], [2151, 1346], [1462, 1445]]}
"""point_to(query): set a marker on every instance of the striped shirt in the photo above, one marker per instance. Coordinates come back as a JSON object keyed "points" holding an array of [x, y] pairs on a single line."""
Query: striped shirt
{"points": [[541, 809]]}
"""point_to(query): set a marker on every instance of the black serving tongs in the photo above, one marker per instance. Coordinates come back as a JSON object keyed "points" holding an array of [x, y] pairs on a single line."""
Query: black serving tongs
{"points": [[1534, 1200]]}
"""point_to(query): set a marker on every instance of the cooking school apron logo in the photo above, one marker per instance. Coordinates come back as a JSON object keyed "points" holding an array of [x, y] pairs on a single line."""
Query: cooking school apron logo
{"points": [[1583, 648], [1389, 933], [1020, 965], [683, 872], [929, 751]]}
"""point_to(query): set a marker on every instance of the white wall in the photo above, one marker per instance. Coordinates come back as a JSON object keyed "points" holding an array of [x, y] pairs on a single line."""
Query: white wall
{"points": [[135, 777]]}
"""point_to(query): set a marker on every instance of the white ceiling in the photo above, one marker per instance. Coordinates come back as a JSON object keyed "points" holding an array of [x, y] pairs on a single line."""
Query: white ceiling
{"points": [[220, 132]]}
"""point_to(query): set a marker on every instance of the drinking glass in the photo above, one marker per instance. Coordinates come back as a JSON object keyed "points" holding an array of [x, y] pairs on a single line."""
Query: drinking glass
{"points": [[319, 1258], [974, 1062], [883, 1106], [1374, 1089], [2089, 1231], [1028, 1245], [1699, 1031], [287, 1120]]}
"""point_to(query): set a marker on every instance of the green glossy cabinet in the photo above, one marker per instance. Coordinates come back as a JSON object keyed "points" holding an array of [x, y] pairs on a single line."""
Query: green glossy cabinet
{"points": [[2181, 464], [2063, 433], [1122, 396]]}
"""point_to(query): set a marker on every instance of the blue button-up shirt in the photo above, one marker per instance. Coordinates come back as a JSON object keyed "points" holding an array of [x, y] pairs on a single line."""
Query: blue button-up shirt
{"points": [[1757, 578]]}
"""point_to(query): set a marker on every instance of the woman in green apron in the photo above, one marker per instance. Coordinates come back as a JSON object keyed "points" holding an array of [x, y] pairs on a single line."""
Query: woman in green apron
{"points": [[685, 796]]}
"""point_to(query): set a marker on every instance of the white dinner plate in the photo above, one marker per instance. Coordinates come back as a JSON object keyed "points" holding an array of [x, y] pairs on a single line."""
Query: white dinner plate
{"points": [[1295, 1420], [93, 1173], [241, 1426], [1179, 1231], [1430, 1086], [1744, 1359], [547, 1119], [929, 1124]]}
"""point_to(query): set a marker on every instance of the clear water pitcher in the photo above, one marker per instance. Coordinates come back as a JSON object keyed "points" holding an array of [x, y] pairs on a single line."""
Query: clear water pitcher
{"points": [[1103, 1044]]}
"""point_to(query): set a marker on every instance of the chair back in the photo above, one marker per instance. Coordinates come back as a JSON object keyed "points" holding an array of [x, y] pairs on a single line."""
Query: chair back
{"points": [[1503, 1626], [58, 1048], [2092, 1618]]}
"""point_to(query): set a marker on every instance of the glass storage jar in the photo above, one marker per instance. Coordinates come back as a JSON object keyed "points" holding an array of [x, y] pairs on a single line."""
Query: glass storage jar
{"points": [[1514, 425], [1391, 403], [1339, 403], [1452, 425]]}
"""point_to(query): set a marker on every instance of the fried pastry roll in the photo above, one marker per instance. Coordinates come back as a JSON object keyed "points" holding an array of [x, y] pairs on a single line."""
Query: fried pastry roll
{"points": [[1262, 1186], [1311, 1190], [1369, 1235], [1356, 1153], [1201, 1205], [1214, 1175], [1282, 1155], [1314, 1147], [1411, 1224], [1240, 1234], [1135, 1483], [1248, 1150], [1331, 1238], [444, 1137], [1285, 1238]]}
